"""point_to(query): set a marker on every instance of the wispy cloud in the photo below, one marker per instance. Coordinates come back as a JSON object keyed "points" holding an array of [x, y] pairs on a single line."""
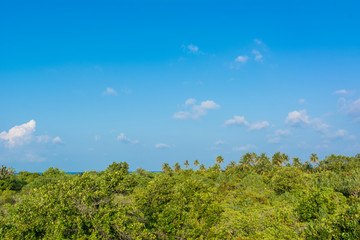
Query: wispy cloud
{"points": [[109, 91], [163, 146], [57, 140], [259, 125], [302, 101], [258, 56], [191, 49], [240, 121], [196, 111], [241, 59], [350, 107], [258, 41], [124, 139], [301, 119], [341, 92], [219, 142], [246, 147]]}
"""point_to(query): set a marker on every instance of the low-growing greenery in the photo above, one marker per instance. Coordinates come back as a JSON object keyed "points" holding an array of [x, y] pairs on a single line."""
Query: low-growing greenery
{"points": [[256, 198]]}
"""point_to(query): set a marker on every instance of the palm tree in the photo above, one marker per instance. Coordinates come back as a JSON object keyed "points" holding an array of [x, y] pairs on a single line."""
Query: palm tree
{"points": [[246, 161], [166, 167], [279, 158], [202, 167], [219, 160], [177, 167], [196, 163], [314, 158], [296, 162], [186, 163]]}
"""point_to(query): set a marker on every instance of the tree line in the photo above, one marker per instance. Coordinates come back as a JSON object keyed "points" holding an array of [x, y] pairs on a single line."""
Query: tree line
{"points": [[258, 197]]}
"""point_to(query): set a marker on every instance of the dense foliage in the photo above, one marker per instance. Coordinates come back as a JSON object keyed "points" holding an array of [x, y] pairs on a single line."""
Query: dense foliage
{"points": [[257, 198]]}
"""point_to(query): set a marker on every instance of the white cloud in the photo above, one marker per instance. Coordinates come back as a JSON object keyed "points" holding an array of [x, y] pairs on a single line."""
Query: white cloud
{"points": [[341, 91], [197, 110], [353, 108], [163, 146], [19, 134], [258, 56], [190, 101], [274, 140], [124, 139], [302, 101], [97, 138], [193, 49], [302, 119], [219, 142], [319, 125], [43, 139], [297, 118], [57, 139], [240, 121], [282, 132], [258, 41], [258, 125], [237, 120], [244, 148], [110, 91], [241, 59]]}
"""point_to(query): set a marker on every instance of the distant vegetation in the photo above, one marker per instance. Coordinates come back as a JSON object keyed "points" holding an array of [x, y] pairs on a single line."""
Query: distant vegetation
{"points": [[256, 198]]}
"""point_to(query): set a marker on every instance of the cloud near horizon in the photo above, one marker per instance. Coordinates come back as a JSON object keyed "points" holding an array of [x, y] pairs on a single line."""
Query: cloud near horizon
{"points": [[163, 146]]}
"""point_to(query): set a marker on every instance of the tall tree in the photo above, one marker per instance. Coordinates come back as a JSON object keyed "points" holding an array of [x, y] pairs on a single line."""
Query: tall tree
{"points": [[166, 167], [219, 160], [196, 163], [246, 160], [314, 158], [186, 164], [177, 167]]}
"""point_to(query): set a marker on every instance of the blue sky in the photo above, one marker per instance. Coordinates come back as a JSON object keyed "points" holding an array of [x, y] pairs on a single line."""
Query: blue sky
{"points": [[86, 83]]}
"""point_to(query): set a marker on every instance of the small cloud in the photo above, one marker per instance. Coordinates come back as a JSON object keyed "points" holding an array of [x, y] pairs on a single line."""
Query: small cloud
{"points": [[320, 125], [258, 41], [123, 139], [340, 92], [302, 101], [197, 110], [240, 121], [241, 59], [97, 138], [109, 91], [258, 56], [219, 142], [282, 132], [191, 49], [57, 140], [351, 107], [18, 135], [237, 121], [274, 140], [258, 125], [190, 101], [43, 139], [244, 148], [163, 146], [297, 118], [126, 91]]}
